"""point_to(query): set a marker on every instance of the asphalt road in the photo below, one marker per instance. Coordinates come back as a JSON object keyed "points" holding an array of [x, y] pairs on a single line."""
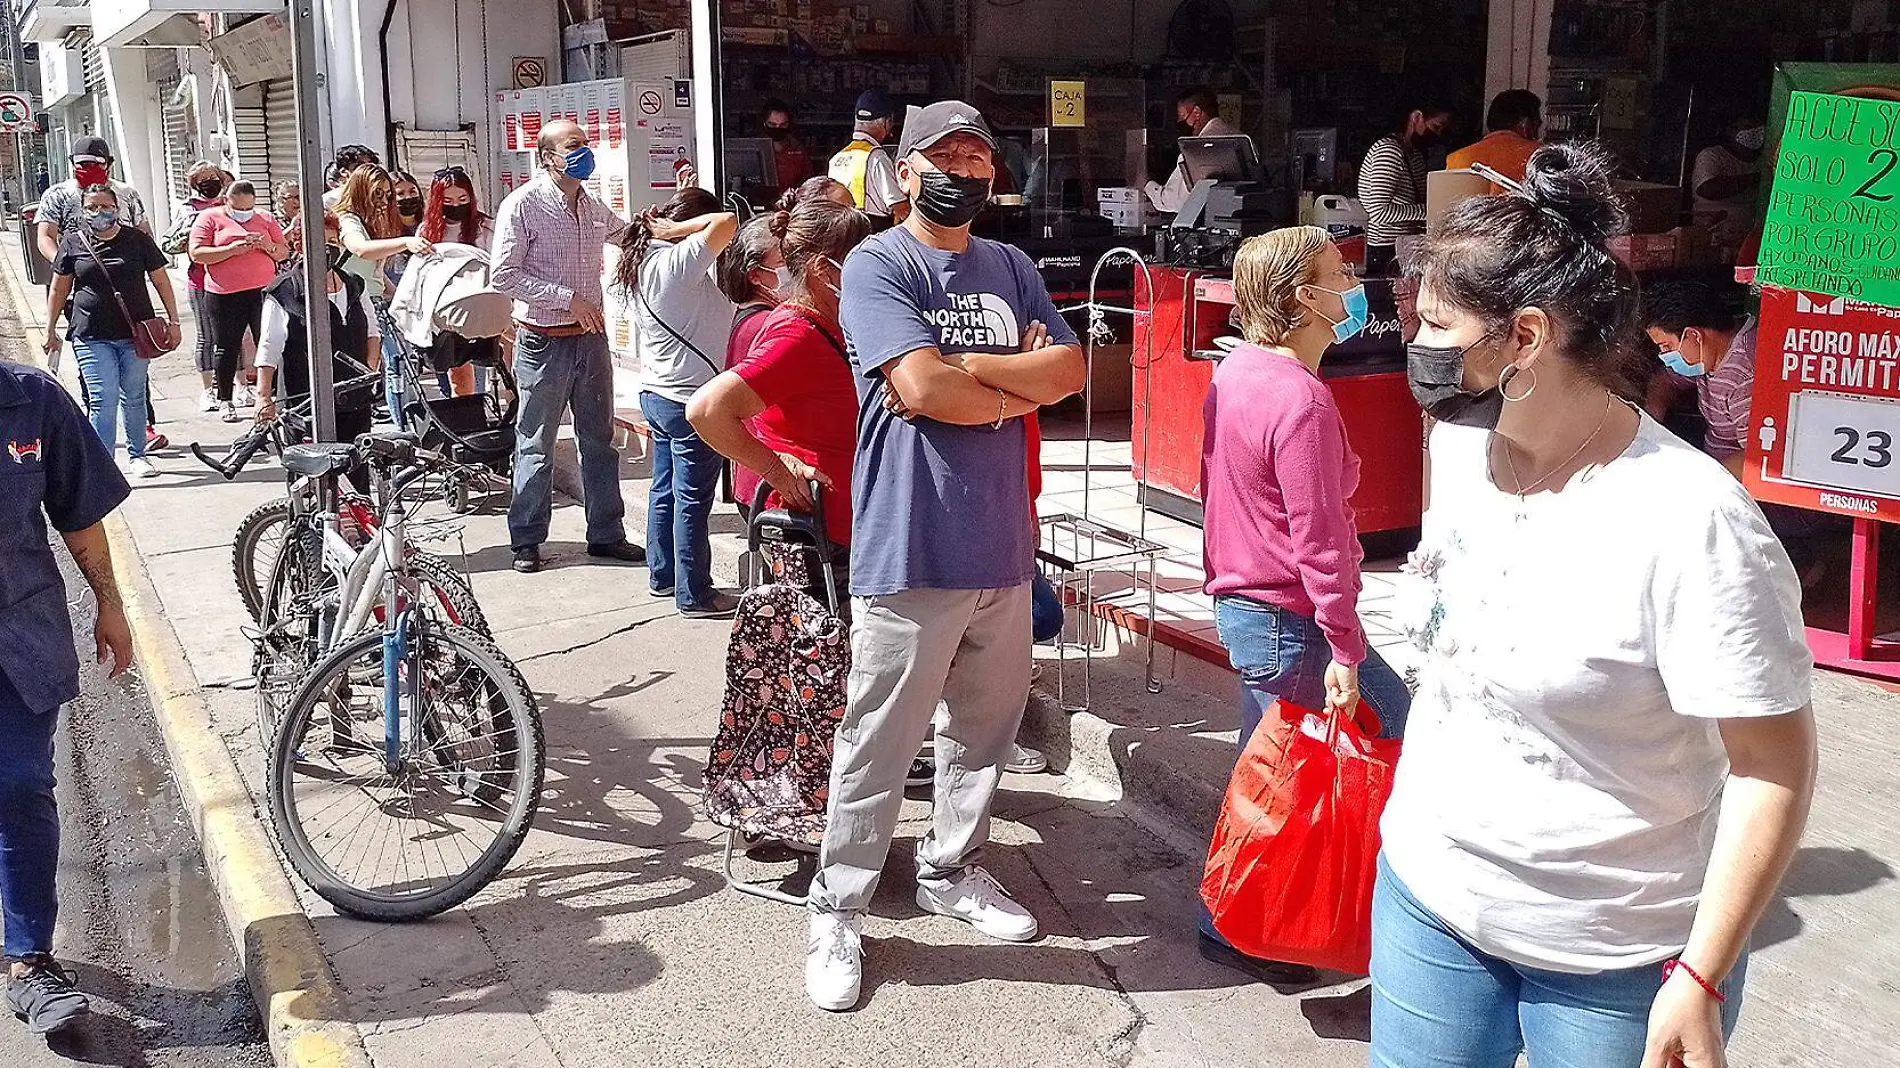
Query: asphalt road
{"points": [[139, 923]]}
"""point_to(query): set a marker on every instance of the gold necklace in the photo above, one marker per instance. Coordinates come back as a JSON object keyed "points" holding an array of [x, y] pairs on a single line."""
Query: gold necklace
{"points": [[1511, 465]]}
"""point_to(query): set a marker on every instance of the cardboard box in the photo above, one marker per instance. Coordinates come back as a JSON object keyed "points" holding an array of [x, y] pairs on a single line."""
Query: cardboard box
{"points": [[1653, 208], [1444, 189], [1646, 252]]}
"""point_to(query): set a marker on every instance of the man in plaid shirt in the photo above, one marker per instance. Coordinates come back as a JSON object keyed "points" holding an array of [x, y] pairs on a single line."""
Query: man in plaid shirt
{"points": [[549, 236]]}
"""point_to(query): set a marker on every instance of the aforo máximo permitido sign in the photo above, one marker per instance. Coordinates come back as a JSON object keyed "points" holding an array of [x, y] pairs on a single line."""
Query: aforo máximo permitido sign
{"points": [[1833, 222]]}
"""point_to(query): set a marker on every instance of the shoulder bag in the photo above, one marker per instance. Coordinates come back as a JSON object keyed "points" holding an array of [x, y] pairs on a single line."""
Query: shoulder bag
{"points": [[151, 338]]}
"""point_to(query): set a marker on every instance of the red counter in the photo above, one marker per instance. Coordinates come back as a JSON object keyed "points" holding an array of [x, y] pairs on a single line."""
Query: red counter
{"points": [[1188, 310]]}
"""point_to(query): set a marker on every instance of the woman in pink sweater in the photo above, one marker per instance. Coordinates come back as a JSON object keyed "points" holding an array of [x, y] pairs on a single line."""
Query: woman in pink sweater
{"points": [[1282, 555]]}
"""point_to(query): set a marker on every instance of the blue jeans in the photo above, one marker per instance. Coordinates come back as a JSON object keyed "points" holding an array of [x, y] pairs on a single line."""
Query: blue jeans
{"points": [[115, 381], [554, 374], [392, 381], [679, 505], [1045, 610], [1281, 654], [1440, 1002], [29, 825]]}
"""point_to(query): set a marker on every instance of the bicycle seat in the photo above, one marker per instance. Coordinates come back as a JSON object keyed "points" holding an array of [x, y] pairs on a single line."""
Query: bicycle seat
{"points": [[316, 461]]}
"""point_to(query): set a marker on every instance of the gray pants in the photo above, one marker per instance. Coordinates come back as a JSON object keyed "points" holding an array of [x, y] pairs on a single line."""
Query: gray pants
{"points": [[969, 648], [555, 374]]}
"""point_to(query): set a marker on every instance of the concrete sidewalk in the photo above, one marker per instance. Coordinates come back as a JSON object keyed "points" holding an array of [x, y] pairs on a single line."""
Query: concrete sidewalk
{"points": [[611, 939]]}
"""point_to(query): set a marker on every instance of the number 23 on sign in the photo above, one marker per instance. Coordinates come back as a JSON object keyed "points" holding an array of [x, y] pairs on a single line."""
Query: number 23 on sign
{"points": [[1844, 442]]}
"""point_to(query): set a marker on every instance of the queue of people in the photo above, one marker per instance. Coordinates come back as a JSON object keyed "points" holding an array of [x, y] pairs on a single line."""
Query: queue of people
{"points": [[1606, 768]]}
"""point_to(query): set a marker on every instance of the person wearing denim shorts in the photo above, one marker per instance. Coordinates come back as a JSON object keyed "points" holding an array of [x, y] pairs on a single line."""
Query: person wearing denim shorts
{"points": [[1281, 552], [1611, 752]]}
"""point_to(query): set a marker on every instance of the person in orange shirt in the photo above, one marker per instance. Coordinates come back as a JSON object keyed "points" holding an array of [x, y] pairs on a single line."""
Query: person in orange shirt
{"points": [[1515, 122]]}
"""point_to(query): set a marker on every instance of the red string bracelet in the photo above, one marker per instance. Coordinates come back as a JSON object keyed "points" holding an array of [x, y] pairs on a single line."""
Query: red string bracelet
{"points": [[1670, 966]]}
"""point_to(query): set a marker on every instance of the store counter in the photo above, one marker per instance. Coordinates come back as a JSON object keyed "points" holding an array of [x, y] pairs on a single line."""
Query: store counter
{"points": [[1174, 349]]}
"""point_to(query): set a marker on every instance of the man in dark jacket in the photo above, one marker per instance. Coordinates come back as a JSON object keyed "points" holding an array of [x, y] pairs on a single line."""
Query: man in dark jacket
{"points": [[53, 468]]}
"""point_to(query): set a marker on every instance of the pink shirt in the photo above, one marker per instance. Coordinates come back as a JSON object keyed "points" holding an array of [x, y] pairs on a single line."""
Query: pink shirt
{"points": [[247, 270], [1276, 474]]}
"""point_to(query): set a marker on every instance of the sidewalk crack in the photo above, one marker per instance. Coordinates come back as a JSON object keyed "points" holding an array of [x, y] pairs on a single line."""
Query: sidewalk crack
{"points": [[589, 643], [1120, 1045]]}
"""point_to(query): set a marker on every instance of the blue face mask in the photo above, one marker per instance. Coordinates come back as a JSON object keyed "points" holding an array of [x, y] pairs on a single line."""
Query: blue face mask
{"points": [[1675, 362], [579, 163], [1358, 313]]}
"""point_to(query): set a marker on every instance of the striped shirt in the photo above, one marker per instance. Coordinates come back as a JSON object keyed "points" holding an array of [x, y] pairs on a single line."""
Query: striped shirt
{"points": [[1723, 395], [1392, 190], [546, 255]]}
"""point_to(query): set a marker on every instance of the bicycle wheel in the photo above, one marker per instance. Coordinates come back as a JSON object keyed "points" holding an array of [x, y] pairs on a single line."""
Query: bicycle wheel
{"points": [[254, 551], [454, 597], [290, 623], [415, 840]]}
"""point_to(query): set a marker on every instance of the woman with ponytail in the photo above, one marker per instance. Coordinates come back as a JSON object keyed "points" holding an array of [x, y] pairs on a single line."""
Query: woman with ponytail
{"points": [[788, 410], [1611, 753], [682, 323]]}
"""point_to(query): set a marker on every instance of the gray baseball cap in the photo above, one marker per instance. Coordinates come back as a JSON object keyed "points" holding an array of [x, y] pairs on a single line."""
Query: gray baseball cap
{"points": [[932, 123]]}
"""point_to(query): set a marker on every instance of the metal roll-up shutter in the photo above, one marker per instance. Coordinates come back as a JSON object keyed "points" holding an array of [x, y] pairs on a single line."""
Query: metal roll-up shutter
{"points": [[251, 136], [280, 125], [180, 141]]}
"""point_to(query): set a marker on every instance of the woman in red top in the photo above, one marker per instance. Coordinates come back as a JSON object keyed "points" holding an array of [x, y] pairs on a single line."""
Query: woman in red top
{"points": [[789, 409]]}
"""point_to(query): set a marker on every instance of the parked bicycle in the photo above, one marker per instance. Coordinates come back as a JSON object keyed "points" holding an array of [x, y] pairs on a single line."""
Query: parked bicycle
{"points": [[409, 760]]}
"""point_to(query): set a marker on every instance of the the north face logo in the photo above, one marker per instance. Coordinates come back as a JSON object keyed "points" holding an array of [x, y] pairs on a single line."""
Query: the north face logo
{"points": [[20, 450]]}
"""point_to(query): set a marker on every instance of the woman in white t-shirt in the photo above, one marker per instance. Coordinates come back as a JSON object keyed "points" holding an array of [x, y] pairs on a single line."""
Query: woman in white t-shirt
{"points": [[681, 323], [1611, 753]]}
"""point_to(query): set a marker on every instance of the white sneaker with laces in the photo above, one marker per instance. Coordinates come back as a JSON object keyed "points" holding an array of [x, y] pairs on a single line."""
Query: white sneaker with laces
{"points": [[140, 467], [245, 396], [834, 961], [975, 897], [208, 401], [230, 413]]}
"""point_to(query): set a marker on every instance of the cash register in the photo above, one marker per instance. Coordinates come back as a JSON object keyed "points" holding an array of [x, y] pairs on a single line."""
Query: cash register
{"points": [[1230, 200]]}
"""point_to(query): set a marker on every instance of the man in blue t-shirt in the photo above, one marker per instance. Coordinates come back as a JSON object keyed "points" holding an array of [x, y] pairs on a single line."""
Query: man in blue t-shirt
{"points": [[942, 548]]}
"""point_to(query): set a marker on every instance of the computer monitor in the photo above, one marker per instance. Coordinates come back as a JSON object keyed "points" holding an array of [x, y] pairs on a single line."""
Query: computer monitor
{"points": [[751, 163], [1317, 147], [1225, 159]]}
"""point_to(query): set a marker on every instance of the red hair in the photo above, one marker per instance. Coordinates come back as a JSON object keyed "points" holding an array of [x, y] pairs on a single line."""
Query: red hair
{"points": [[434, 227]]}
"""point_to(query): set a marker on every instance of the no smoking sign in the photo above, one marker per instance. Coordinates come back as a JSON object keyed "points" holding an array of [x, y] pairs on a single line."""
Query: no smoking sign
{"points": [[650, 102]]}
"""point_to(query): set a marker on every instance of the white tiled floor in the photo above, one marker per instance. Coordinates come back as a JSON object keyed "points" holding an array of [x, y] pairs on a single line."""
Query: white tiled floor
{"points": [[1179, 602]]}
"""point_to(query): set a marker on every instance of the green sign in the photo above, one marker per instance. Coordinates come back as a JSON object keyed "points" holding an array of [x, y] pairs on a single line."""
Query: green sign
{"points": [[1833, 222]]}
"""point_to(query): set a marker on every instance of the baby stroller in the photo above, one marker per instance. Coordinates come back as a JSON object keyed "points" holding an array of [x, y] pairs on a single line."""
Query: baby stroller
{"points": [[446, 315], [769, 772]]}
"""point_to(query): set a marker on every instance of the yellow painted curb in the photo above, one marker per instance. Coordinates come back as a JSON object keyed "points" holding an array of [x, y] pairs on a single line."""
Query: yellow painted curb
{"points": [[305, 1013]]}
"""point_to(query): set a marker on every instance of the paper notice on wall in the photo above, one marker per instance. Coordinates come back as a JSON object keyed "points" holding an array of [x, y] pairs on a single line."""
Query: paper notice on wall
{"points": [[614, 104], [590, 114], [666, 152], [533, 105]]}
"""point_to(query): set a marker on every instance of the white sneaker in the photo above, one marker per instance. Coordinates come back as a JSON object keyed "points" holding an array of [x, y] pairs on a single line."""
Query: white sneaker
{"points": [[975, 897], [834, 961], [244, 396], [208, 401], [140, 467], [231, 413]]}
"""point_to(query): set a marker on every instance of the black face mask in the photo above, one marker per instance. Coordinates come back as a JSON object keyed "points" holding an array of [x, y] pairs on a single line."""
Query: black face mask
{"points": [[209, 188], [951, 200], [411, 207], [1437, 377], [455, 212], [778, 133], [1185, 129]]}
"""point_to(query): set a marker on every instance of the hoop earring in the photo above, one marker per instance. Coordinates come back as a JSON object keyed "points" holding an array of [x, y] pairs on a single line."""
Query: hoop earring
{"points": [[1510, 375]]}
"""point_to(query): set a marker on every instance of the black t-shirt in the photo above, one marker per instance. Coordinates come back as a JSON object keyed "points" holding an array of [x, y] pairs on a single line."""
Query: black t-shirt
{"points": [[128, 258]]}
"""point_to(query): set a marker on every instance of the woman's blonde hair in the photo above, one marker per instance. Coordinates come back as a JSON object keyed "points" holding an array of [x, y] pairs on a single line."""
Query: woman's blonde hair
{"points": [[359, 199], [1269, 270]]}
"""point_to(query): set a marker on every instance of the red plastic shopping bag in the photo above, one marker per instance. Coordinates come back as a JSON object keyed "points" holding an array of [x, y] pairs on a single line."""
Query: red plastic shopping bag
{"points": [[1289, 874]]}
